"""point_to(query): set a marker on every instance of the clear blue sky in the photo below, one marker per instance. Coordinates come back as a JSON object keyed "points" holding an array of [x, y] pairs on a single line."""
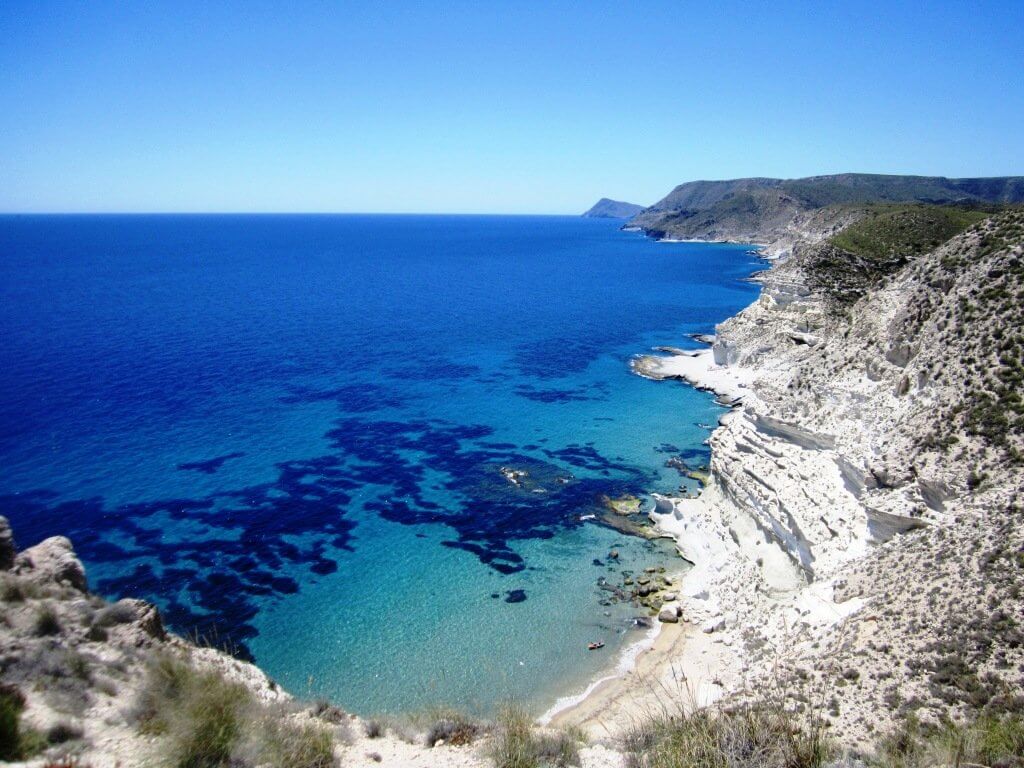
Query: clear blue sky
{"points": [[490, 106]]}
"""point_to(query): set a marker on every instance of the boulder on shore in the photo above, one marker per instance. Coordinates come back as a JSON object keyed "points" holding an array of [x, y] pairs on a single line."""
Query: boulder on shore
{"points": [[670, 614]]}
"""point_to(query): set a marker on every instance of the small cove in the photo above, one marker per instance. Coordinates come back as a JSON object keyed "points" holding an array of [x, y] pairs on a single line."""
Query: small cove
{"points": [[290, 433]]}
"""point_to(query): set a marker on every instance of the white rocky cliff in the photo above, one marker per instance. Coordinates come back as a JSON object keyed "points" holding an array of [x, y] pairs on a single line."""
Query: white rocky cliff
{"points": [[860, 442]]}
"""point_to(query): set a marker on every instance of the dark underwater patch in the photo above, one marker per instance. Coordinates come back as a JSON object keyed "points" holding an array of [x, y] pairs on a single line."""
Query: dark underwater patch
{"points": [[210, 585], [557, 356], [225, 571], [515, 596], [433, 369], [351, 398], [209, 466], [552, 395], [587, 457]]}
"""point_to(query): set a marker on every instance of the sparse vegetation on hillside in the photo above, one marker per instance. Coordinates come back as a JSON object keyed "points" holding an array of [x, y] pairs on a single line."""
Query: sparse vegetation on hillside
{"points": [[767, 735], [819, 191], [997, 410], [987, 741], [893, 232], [987, 315], [880, 243], [451, 727], [762, 735], [763, 209]]}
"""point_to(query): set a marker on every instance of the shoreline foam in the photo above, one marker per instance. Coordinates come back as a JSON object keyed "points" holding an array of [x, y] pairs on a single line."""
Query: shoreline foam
{"points": [[679, 650], [626, 663]]}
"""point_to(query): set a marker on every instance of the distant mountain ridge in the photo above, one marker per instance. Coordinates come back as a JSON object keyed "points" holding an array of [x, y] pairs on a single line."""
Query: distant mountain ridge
{"points": [[759, 209], [606, 208]]}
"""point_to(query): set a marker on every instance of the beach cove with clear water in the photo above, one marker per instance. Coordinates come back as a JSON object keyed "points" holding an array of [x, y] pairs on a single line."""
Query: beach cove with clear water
{"points": [[295, 434]]}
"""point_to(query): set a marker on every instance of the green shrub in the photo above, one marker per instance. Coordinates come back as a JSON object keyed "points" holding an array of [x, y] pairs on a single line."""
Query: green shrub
{"points": [[558, 749], [10, 726], [10, 590], [200, 713], [998, 740], [988, 740], [46, 622], [62, 732], [209, 722], [513, 740], [16, 743], [211, 725]]}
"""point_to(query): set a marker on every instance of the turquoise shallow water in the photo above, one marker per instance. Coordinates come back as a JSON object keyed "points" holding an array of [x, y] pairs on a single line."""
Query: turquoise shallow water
{"points": [[290, 432]]}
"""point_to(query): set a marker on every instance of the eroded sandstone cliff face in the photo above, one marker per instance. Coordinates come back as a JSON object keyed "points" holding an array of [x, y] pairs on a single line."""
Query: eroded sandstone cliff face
{"points": [[862, 525]]}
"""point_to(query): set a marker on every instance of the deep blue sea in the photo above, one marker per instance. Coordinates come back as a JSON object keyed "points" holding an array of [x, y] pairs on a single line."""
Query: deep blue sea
{"points": [[289, 432]]}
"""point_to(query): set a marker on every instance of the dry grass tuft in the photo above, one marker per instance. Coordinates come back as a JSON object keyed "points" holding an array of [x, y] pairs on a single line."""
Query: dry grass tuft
{"points": [[519, 744], [764, 735], [208, 722], [989, 740], [453, 728]]}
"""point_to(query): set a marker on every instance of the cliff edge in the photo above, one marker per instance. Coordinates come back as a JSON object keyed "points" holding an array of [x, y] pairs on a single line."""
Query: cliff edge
{"points": [[86, 683]]}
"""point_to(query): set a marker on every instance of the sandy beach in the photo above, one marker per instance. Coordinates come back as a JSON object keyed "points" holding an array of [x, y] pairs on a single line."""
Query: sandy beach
{"points": [[680, 668], [684, 663]]}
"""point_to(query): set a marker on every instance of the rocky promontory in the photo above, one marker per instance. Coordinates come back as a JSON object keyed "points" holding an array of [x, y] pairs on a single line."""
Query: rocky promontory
{"points": [[612, 209]]}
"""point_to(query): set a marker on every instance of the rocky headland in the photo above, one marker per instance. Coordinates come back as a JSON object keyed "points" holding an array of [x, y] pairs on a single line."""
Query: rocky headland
{"points": [[778, 213], [612, 209]]}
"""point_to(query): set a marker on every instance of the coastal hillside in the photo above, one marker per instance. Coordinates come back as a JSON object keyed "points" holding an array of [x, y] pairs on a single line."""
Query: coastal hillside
{"points": [[612, 209], [859, 544], [780, 211]]}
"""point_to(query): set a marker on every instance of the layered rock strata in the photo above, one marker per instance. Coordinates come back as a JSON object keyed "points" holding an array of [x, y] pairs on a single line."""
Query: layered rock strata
{"points": [[865, 489]]}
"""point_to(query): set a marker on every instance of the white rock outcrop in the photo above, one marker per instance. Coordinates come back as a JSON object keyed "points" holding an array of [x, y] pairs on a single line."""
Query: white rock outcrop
{"points": [[830, 457]]}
